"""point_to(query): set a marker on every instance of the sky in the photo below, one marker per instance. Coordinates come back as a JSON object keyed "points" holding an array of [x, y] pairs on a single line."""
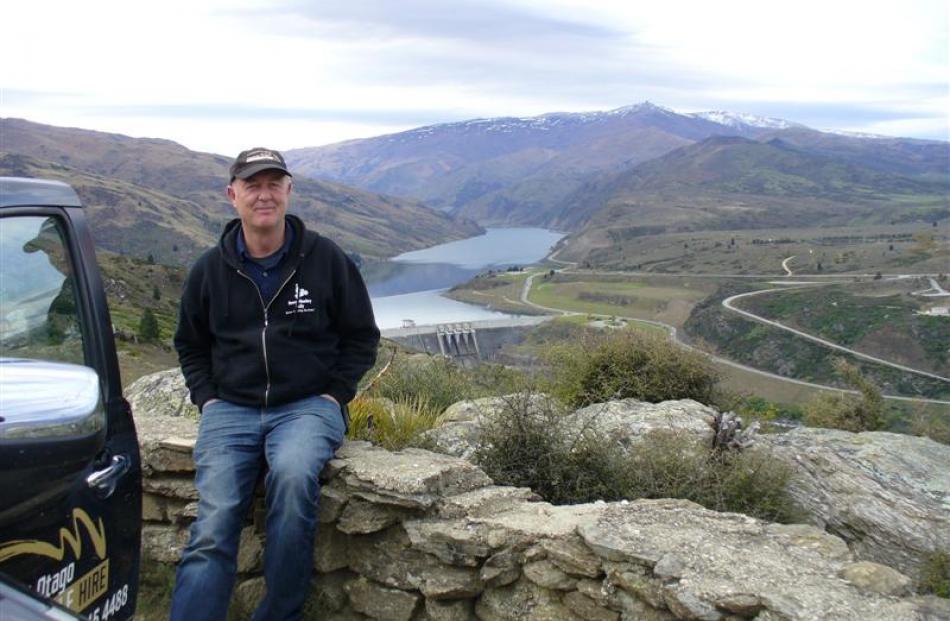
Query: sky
{"points": [[223, 75]]}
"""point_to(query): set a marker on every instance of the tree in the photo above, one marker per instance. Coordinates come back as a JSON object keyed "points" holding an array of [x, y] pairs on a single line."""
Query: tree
{"points": [[156, 293], [151, 259], [148, 327]]}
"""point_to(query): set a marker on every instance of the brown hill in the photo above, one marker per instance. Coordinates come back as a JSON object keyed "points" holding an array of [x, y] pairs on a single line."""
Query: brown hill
{"points": [[728, 182], [156, 197]]}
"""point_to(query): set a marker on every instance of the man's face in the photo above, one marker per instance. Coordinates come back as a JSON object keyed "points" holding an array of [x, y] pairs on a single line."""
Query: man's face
{"points": [[261, 200]]}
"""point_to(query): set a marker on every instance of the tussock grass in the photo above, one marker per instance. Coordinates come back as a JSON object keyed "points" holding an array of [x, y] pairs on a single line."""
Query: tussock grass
{"points": [[393, 425]]}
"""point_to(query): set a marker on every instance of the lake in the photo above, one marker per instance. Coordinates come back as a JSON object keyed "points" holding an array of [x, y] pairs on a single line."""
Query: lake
{"points": [[410, 286]]}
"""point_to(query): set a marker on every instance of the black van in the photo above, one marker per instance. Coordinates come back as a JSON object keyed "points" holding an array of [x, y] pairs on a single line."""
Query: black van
{"points": [[70, 472]]}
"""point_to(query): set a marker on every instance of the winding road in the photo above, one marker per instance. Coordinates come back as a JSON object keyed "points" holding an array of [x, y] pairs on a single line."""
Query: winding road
{"points": [[727, 303]]}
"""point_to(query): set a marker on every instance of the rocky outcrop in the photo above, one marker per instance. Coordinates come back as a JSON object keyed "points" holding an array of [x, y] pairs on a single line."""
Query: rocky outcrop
{"points": [[886, 494], [418, 535]]}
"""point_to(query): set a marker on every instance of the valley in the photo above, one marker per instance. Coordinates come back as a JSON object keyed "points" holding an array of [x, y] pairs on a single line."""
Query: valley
{"points": [[665, 216]]}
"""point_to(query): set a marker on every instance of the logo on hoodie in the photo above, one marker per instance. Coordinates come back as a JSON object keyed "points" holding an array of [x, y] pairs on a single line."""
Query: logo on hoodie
{"points": [[300, 302]]}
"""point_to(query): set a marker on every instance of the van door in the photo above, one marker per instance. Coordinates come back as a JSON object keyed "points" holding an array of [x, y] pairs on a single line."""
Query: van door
{"points": [[70, 476]]}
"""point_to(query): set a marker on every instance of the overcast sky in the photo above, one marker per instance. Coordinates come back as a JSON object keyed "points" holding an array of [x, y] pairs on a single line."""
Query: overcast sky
{"points": [[220, 76]]}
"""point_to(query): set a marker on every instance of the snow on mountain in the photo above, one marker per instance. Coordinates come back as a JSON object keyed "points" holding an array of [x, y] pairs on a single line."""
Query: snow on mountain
{"points": [[739, 119], [543, 122]]}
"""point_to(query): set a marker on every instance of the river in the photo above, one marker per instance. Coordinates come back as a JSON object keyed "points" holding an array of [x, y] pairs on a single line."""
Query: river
{"points": [[410, 286]]}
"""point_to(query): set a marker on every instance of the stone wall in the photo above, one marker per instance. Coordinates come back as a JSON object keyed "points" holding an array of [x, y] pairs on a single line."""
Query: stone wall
{"points": [[420, 535]]}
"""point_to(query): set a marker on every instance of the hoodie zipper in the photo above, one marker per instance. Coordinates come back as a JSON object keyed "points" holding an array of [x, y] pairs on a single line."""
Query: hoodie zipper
{"points": [[265, 308]]}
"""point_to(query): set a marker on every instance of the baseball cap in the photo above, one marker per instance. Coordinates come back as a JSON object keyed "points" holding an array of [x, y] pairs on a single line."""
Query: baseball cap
{"points": [[253, 161]]}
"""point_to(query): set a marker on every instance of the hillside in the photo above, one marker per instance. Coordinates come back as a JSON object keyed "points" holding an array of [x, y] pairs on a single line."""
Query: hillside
{"points": [[504, 169], [519, 170], [155, 197], [736, 183]]}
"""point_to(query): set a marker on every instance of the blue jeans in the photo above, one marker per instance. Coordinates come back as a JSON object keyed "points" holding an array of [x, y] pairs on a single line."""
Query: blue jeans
{"points": [[295, 440]]}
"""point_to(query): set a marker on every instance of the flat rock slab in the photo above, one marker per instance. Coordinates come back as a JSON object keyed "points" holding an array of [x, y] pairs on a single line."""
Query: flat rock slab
{"points": [[412, 478], [708, 565]]}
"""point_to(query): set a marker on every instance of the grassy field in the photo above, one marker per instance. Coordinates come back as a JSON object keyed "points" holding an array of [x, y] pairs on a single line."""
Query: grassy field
{"points": [[666, 300], [499, 291]]}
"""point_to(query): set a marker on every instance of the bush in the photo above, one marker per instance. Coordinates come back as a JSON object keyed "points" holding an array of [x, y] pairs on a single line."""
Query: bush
{"points": [[845, 411], [935, 575], [525, 446], [528, 445], [623, 364]]}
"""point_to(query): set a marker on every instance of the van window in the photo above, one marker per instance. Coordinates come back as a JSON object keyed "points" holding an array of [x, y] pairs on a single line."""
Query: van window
{"points": [[39, 314]]}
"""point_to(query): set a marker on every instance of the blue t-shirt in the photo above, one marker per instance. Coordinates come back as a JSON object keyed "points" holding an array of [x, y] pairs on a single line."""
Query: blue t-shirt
{"points": [[265, 271]]}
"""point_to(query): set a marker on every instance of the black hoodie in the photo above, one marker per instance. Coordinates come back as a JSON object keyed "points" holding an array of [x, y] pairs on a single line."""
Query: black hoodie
{"points": [[317, 334]]}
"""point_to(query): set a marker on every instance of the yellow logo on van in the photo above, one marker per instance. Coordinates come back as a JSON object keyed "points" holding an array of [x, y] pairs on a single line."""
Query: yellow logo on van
{"points": [[67, 537]]}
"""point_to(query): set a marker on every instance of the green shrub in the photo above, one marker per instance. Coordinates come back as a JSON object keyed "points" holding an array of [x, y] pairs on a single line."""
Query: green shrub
{"points": [[621, 364], [394, 425], [527, 444], [864, 412], [935, 575], [148, 327]]}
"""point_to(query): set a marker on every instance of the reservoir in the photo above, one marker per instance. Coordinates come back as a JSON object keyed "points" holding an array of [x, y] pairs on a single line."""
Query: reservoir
{"points": [[410, 286]]}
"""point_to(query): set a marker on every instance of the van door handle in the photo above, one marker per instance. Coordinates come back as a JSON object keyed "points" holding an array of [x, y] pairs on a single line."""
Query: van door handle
{"points": [[104, 481]]}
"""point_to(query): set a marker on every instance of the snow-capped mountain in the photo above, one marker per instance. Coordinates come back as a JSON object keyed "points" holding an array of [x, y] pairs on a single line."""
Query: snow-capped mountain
{"points": [[740, 120], [517, 170]]}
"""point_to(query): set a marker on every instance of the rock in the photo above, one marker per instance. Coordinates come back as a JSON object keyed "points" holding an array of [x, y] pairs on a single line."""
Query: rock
{"points": [[250, 551], [596, 590], [586, 608], [379, 602], [439, 582], [627, 421], [171, 486], [161, 395], [501, 569], [388, 558], [455, 610], [247, 596], [163, 543], [546, 574], [727, 559], [887, 495], [467, 542], [331, 550], [573, 557], [522, 601], [485, 501], [632, 609], [362, 517], [876, 578], [412, 478], [165, 421], [327, 594], [332, 501]]}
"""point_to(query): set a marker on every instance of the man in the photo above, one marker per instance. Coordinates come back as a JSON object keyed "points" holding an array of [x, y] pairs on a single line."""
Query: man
{"points": [[274, 331]]}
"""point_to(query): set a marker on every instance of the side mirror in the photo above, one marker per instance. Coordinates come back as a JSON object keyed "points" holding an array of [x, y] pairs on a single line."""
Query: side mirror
{"points": [[48, 400]]}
